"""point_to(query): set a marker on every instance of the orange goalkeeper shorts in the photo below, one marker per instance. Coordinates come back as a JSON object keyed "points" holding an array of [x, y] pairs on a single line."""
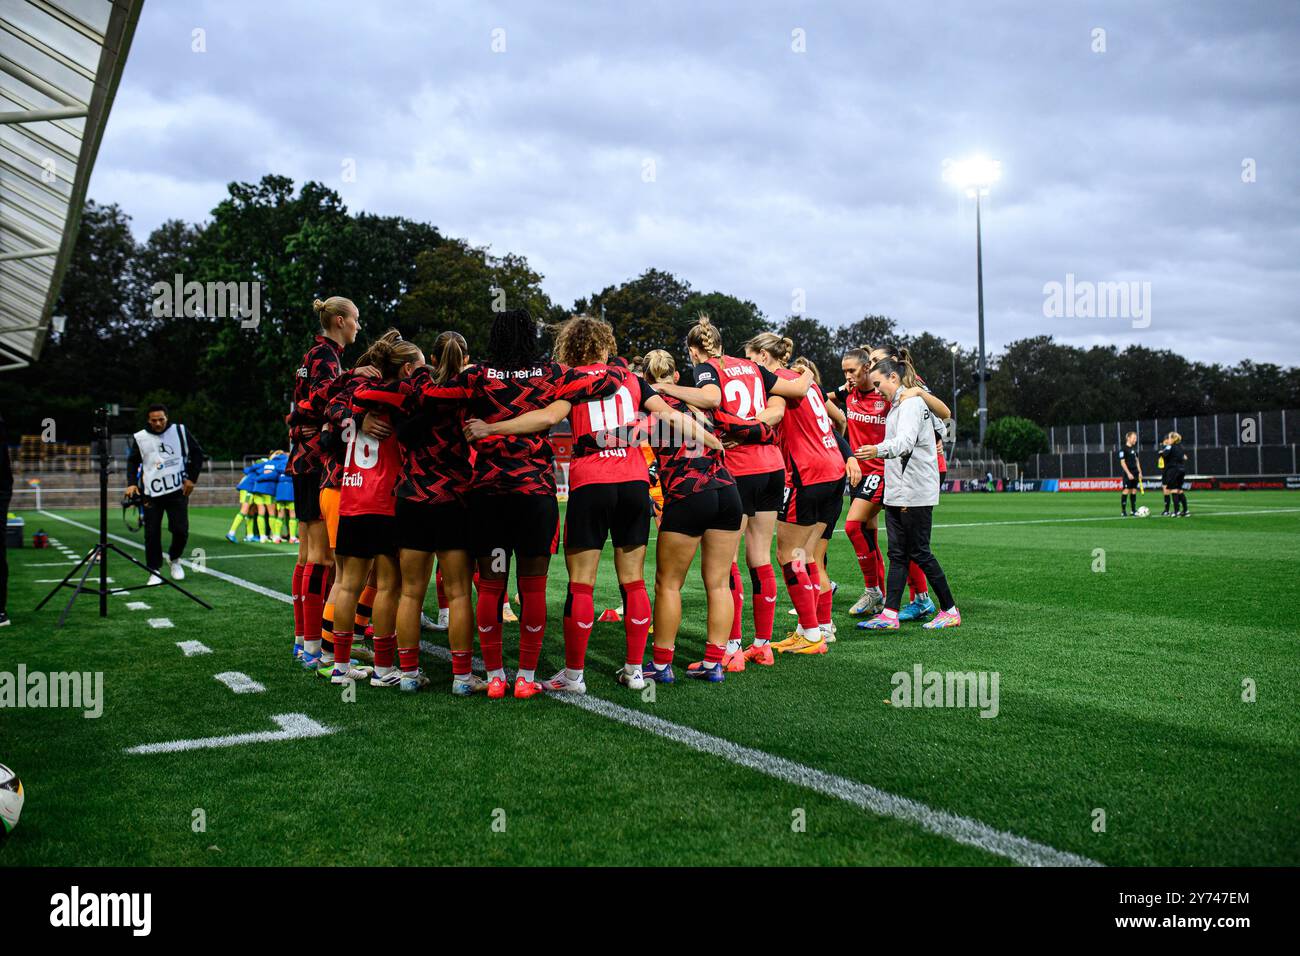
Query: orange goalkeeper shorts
{"points": [[329, 510]]}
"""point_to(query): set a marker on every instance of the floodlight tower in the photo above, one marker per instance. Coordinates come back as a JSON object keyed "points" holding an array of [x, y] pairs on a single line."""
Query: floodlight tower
{"points": [[974, 176]]}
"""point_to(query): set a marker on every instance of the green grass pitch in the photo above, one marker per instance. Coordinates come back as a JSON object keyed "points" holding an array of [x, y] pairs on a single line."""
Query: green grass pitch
{"points": [[1121, 692]]}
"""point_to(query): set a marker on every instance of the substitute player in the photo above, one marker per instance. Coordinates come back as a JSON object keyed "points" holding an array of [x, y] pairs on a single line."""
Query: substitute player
{"points": [[920, 605], [911, 492]]}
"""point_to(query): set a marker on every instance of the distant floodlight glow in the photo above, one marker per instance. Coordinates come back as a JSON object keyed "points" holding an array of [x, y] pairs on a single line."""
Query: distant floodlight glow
{"points": [[975, 173]]}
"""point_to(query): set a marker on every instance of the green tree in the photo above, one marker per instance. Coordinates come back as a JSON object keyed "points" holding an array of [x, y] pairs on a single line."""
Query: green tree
{"points": [[813, 340], [459, 287], [1015, 439], [646, 312], [737, 319]]}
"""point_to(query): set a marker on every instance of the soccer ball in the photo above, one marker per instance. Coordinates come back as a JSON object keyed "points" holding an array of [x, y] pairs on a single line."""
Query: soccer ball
{"points": [[11, 800], [1143, 511]]}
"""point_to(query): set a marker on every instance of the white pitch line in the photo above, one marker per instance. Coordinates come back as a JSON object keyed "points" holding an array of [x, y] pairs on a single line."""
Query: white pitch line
{"points": [[136, 606], [89, 578], [191, 648], [292, 727], [160, 622], [238, 682], [957, 828], [950, 825], [989, 524]]}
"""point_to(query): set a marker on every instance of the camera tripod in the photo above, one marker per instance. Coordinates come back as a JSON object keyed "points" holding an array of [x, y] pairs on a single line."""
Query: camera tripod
{"points": [[98, 553]]}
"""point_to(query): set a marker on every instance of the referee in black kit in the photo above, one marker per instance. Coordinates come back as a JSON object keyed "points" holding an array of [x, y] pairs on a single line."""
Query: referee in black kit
{"points": [[1173, 461], [1131, 474]]}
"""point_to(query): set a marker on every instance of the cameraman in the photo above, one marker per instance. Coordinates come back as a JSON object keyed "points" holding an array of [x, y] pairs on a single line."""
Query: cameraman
{"points": [[171, 461]]}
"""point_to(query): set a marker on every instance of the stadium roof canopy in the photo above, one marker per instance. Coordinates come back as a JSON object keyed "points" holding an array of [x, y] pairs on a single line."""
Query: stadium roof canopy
{"points": [[60, 62]]}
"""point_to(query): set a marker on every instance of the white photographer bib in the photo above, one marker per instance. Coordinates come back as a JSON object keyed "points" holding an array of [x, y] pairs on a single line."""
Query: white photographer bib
{"points": [[164, 460]]}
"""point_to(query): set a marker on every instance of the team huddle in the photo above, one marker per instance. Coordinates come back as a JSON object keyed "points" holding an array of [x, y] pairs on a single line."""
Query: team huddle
{"points": [[402, 464]]}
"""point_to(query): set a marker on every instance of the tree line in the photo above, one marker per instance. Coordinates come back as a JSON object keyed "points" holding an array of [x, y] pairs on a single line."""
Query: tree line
{"points": [[231, 380]]}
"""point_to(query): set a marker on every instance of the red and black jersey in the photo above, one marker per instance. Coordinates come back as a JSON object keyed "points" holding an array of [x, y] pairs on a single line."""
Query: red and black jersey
{"points": [[437, 462], [370, 467], [311, 393], [866, 413], [332, 447], [745, 386], [516, 464], [685, 466], [812, 455], [608, 432]]}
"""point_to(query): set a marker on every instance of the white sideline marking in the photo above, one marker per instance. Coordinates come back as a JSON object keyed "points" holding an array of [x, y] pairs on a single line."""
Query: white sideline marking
{"points": [[191, 648], [136, 606], [292, 727], [89, 578], [262, 554], [160, 622], [52, 564], [1221, 514], [239, 683], [957, 828]]}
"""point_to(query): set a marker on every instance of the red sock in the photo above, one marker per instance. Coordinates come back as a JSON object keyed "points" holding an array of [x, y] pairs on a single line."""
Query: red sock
{"points": [[916, 580], [579, 615], [488, 612], [862, 550], [408, 658], [532, 619], [385, 649], [342, 648], [764, 600], [800, 586], [460, 663], [880, 563], [663, 656], [824, 598], [737, 600], [636, 620], [313, 600], [296, 591], [442, 595], [713, 653]]}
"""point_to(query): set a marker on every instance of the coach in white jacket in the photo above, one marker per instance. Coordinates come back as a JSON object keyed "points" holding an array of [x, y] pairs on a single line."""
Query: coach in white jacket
{"points": [[911, 492]]}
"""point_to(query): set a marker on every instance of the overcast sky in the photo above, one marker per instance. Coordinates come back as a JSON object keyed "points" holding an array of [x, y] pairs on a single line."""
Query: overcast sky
{"points": [[696, 137]]}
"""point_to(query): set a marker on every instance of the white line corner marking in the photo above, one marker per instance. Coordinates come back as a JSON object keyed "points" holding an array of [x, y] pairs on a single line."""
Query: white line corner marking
{"points": [[190, 648], [239, 683], [292, 727]]}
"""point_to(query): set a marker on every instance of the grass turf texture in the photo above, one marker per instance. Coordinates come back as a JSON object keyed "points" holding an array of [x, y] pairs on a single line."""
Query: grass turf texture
{"points": [[1119, 690]]}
